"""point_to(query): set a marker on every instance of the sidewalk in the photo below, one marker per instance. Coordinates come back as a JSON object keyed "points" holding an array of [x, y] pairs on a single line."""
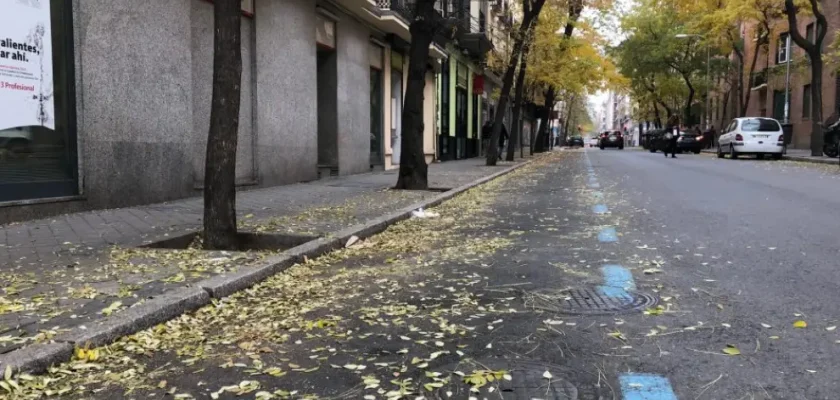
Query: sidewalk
{"points": [[803, 155], [70, 270]]}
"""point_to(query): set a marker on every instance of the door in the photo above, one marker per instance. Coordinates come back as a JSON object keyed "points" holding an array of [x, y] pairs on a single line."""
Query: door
{"points": [[461, 122], [779, 104], [396, 115], [375, 117]]}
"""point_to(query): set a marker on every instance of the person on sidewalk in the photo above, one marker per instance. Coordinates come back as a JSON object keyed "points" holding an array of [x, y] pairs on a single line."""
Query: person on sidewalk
{"points": [[503, 137], [672, 133]]}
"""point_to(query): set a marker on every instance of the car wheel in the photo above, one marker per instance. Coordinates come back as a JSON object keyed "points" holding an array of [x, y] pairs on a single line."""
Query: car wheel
{"points": [[777, 156], [652, 150], [696, 151], [759, 156], [602, 147], [732, 154], [720, 152], [621, 147]]}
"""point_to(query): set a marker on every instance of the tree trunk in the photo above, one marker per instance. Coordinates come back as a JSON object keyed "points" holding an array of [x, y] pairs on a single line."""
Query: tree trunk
{"points": [[689, 100], [520, 92], [220, 161], [539, 143], [657, 120], [530, 15], [816, 105], [814, 51], [414, 172]]}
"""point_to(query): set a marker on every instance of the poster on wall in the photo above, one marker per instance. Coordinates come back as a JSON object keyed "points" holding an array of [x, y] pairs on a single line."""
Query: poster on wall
{"points": [[26, 70]]}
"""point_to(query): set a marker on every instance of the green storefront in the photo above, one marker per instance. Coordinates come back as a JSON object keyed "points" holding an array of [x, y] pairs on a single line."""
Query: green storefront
{"points": [[459, 109]]}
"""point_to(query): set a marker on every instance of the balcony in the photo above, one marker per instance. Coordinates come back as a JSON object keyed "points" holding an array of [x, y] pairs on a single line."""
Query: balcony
{"points": [[758, 80], [403, 9]]}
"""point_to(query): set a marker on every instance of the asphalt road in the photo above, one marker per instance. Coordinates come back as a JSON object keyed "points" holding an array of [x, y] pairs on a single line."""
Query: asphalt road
{"points": [[587, 275], [749, 248]]}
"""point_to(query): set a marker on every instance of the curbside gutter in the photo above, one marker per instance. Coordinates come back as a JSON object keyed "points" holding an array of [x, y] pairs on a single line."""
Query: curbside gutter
{"points": [[812, 160], [37, 358]]}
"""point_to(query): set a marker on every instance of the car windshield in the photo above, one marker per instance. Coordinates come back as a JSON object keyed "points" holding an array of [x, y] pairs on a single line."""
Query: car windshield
{"points": [[760, 125]]}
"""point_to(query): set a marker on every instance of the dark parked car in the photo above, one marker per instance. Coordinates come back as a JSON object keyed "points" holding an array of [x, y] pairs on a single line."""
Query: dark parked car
{"points": [[690, 141], [653, 140], [611, 139], [575, 141]]}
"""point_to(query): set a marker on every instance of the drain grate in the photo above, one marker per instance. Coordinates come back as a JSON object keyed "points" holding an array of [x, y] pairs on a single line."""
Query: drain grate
{"points": [[592, 300]]}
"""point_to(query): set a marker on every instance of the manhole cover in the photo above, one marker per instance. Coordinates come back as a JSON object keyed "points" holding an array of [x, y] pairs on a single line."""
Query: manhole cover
{"points": [[592, 300], [529, 381]]}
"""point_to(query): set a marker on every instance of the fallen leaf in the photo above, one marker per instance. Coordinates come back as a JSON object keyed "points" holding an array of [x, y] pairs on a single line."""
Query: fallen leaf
{"points": [[831, 328], [732, 350], [768, 326], [800, 324], [547, 375]]}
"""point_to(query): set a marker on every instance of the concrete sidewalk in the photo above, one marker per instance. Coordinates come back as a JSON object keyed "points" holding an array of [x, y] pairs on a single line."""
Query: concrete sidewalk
{"points": [[803, 155], [71, 270]]}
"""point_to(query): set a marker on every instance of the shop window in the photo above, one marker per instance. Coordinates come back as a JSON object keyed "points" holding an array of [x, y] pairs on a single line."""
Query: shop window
{"points": [[37, 120]]}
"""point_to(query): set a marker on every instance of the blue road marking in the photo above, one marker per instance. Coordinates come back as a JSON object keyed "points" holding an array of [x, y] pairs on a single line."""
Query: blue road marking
{"points": [[618, 277], [593, 179], [607, 235], [594, 185], [599, 209], [645, 387]]}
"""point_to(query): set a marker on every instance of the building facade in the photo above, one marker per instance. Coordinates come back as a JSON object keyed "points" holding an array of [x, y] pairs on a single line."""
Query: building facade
{"points": [[767, 83], [111, 98]]}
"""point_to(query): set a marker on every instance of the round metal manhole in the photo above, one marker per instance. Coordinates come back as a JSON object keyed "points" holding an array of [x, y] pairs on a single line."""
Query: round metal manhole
{"points": [[529, 381], [592, 300]]}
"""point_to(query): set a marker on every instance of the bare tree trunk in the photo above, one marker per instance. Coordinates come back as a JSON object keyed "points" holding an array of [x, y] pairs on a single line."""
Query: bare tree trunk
{"points": [[414, 172], [532, 10], [220, 163], [539, 143], [520, 91], [814, 51], [657, 120]]}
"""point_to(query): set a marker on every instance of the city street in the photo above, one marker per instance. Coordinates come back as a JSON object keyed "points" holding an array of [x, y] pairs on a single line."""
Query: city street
{"points": [[586, 274]]}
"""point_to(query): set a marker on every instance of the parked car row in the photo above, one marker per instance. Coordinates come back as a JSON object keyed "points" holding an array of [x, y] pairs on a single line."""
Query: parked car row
{"points": [[656, 140]]}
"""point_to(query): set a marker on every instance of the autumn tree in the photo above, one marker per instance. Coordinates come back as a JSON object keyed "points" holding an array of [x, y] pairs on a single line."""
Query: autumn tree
{"points": [[814, 52], [530, 12], [220, 163]]}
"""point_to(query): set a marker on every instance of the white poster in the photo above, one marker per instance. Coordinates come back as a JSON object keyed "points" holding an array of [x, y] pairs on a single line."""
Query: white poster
{"points": [[26, 70]]}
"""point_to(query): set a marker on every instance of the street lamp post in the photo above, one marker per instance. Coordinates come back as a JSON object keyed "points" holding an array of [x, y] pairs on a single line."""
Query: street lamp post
{"points": [[706, 110]]}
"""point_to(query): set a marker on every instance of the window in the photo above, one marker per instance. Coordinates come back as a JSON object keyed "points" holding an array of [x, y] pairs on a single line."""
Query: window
{"points": [[806, 101], [781, 50], [37, 120], [809, 33], [760, 125]]}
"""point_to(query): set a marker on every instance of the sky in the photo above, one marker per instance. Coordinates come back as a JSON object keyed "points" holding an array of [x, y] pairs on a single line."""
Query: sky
{"points": [[609, 26]]}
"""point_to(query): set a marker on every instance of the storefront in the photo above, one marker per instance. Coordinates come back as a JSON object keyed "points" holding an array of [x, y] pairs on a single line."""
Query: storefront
{"points": [[38, 156]]}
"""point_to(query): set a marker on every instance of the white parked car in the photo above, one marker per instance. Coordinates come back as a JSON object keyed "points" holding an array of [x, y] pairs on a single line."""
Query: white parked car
{"points": [[593, 142], [752, 135]]}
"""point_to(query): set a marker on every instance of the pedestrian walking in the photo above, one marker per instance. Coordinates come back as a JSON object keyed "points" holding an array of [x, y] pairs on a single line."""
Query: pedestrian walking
{"points": [[671, 135], [503, 137]]}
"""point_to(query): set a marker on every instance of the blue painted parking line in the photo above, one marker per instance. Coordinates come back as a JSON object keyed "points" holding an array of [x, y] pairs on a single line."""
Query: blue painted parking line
{"points": [[608, 235], [618, 276], [600, 209], [645, 387]]}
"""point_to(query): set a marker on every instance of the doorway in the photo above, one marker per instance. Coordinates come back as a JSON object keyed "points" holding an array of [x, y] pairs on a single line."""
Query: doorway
{"points": [[396, 106], [375, 117], [460, 123], [327, 109]]}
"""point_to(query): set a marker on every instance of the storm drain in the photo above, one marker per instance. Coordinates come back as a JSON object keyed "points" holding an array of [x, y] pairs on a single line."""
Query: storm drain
{"points": [[592, 300]]}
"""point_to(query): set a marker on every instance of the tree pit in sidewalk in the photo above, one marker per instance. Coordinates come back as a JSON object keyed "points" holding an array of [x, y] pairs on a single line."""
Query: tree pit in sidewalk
{"points": [[245, 241]]}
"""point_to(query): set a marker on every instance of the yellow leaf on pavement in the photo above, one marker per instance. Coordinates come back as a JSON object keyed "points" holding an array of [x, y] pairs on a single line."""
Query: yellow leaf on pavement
{"points": [[732, 350], [800, 324]]}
